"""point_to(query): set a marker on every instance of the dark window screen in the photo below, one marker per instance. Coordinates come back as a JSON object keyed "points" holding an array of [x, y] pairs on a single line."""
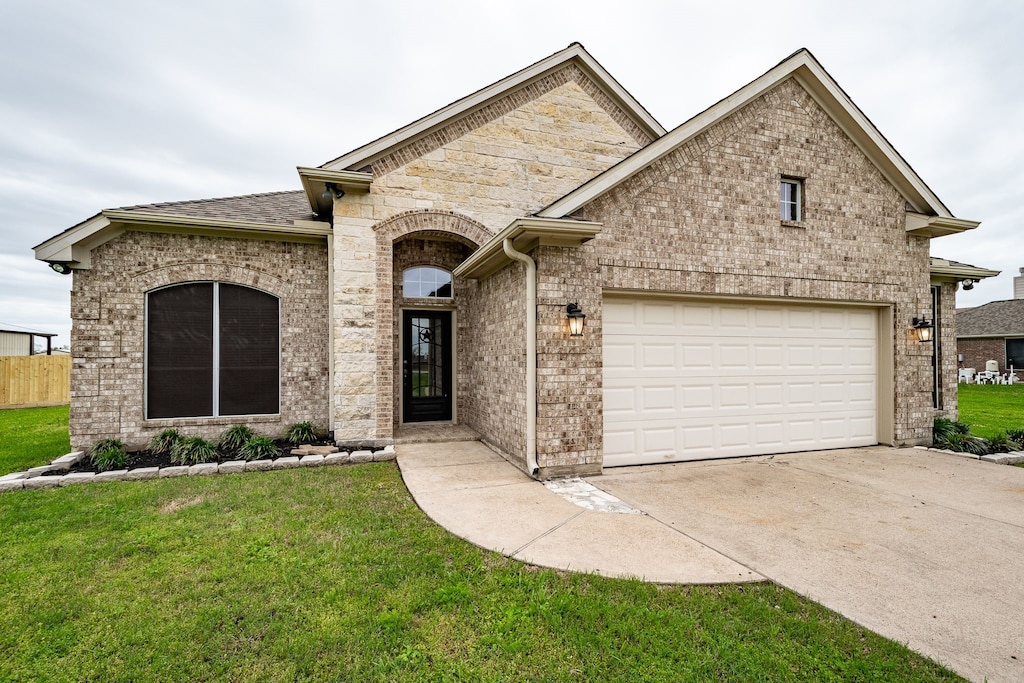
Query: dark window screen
{"points": [[249, 351], [180, 349]]}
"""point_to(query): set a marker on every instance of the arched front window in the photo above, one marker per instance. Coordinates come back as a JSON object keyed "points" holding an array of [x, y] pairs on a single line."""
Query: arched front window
{"points": [[427, 282], [212, 349]]}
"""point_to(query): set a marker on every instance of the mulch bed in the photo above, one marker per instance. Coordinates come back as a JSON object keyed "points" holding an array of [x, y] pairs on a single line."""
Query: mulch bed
{"points": [[136, 459]]}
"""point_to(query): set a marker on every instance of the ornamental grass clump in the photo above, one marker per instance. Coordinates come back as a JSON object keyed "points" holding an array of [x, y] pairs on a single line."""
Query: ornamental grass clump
{"points": [[165, 441], [303, 432], [233, 438], [259, 448], [108, 454], [193, 450]]}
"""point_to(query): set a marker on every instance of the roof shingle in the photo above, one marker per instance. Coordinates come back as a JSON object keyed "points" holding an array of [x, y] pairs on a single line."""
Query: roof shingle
{"points": [[994, 319], [274, 208]]}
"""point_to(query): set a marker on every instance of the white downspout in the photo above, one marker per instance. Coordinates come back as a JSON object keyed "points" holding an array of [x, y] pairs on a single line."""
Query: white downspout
{"points": [[531, 354]]}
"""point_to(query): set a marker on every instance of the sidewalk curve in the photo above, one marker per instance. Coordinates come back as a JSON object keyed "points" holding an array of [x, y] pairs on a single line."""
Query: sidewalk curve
{"points": [[478, 496]]}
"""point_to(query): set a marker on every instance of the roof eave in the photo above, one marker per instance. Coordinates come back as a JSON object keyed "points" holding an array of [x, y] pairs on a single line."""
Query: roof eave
{"points": [[316, 180], [526, 234], [74, 246], [937, 226]]}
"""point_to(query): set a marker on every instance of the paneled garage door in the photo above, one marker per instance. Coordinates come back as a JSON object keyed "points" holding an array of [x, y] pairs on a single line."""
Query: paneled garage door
{"points": [[687, 380]]}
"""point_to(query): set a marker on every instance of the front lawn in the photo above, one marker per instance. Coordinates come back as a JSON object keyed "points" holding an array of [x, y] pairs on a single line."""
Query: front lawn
{"points": [[335, 574], [30, 437], [991, 408]]}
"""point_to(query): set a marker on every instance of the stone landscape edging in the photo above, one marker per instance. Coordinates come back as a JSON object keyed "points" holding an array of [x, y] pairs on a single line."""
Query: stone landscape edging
{"points": [[1011, 458], [34, 479]]}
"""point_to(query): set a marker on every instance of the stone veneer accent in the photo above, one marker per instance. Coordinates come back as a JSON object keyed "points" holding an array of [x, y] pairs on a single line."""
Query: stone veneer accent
{"points": [[947, 350], [469, 179], [108, 334]]}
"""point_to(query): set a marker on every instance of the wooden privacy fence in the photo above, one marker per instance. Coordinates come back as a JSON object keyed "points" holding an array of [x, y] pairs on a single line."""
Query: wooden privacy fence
{"points": [[34, 380]]}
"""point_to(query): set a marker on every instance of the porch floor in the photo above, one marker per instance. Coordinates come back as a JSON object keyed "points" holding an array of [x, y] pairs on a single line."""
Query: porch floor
{"points": [[434, 433]]}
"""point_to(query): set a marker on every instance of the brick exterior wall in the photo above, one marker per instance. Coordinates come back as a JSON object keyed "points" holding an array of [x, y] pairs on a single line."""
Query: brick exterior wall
{"points": [[947, 351], [979, 350], [108, 330], [705, 220]]}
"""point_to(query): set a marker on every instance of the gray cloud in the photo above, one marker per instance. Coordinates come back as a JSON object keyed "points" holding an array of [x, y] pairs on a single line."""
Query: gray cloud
{"points": [[112, 103]]}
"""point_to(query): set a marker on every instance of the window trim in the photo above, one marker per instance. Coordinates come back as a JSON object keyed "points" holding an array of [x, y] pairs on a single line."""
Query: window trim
{"points": [[451, 283], [798, 204], [216, 355]]}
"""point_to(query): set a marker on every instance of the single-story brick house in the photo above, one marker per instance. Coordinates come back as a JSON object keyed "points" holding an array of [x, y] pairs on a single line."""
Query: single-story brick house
{"points": [[750, 282], [993, 331]]}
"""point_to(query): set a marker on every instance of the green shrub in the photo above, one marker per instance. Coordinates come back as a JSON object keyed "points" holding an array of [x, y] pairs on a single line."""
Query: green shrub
{"points": [[942, 428], [108, 454], [235, 437], [965, 443], [1015, 435], [259, 448], [165, 441], [303, 432], [1002, 443], [193, 450]]}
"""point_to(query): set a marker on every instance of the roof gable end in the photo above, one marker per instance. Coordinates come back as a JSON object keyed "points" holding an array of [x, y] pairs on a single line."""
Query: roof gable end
{"points": [[808, 72], [575, 53]]}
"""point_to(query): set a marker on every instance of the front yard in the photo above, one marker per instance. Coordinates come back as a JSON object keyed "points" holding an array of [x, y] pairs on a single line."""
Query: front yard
{"points": [[991, 408], [335, 574]]}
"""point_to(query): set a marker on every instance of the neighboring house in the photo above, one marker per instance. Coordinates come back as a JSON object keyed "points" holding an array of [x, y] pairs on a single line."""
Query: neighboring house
{"points": [[22, 342], [750, 282], [993, 331]]}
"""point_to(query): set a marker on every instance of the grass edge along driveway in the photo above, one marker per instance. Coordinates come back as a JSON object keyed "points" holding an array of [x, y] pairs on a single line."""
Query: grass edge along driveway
{"points": [[335, 574]]}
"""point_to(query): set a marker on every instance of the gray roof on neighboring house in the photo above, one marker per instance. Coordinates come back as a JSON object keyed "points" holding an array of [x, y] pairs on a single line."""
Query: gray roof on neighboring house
{"points": [[274, 208], [994, 319]]}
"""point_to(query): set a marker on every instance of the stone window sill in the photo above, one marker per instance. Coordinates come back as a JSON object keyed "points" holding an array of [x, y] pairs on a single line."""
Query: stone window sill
{"points": [[227, 421], [793, 224]]}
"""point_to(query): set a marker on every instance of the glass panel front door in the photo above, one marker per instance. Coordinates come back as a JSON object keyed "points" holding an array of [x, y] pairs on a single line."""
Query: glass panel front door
{"points": [[426, 366]]}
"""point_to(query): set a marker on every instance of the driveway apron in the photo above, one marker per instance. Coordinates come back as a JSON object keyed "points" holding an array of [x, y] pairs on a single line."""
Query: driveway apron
{"points": [[922, 547]]}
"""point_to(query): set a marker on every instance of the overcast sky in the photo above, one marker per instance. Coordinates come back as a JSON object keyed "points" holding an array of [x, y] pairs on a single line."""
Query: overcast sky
{"points": [[106, 104]]}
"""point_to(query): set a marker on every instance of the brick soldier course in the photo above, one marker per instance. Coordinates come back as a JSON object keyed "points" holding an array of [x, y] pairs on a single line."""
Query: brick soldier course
{"points": [[688, 215]]}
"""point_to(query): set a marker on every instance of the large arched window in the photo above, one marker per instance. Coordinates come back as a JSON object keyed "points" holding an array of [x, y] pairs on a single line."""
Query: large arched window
{"points": [[427, 282], [212, 349]]}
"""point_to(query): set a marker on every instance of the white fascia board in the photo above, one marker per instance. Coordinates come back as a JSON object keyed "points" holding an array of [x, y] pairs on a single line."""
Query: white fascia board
{"points": [[943, 270], [937, 226], [813, 78], [314, 182], [525, 233], [74, 245], [442, 117]]}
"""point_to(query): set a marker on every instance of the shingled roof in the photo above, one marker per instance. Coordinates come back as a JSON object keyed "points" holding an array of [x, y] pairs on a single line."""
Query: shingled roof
{"points": [[273, 208], [994, 319]]}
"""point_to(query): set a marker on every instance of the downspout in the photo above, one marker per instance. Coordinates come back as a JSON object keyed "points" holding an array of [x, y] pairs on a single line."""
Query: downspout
{"points": [[531, 354]]}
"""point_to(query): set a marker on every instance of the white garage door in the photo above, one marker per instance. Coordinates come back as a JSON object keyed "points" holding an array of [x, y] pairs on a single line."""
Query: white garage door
{"points": [[687, 380]]}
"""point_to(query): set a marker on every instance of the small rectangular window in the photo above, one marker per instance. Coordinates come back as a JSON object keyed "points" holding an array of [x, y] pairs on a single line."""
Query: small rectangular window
{"points": [[790, 198]]}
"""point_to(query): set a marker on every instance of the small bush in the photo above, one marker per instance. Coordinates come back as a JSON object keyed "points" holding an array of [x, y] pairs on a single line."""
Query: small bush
{"points": [[303, 432], [965, 443], [942, 428], [1002, 443], [235, 437], [108, 454], [1015, 435], [193, 450], [259, 448], [165, 441]]}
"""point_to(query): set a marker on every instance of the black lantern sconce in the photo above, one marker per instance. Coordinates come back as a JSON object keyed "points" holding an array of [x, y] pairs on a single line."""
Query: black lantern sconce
{"points": [[577, 319], [923, 329]]}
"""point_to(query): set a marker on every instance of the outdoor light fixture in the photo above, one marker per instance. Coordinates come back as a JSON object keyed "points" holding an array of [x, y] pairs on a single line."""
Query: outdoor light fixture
{"points": [[923, 329], [62, 268], [332, 192], [577, 319], [968, 284]]}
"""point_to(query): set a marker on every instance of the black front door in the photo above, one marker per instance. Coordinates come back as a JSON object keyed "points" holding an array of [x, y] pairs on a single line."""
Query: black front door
{"points": [[426, 366]]}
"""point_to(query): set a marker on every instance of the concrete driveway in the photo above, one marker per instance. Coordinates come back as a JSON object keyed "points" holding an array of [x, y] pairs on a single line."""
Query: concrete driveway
{"points": [[921, 547]]}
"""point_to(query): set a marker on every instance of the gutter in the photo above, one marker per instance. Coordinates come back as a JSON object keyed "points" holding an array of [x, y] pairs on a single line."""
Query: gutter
{"points": [[531, 354]]}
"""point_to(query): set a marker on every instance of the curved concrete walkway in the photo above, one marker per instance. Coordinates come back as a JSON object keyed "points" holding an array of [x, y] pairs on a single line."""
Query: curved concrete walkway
{"points": [[922, 547], [478, 496]]}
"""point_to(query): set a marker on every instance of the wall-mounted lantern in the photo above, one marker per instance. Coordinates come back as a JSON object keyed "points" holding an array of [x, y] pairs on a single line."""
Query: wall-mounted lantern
{"points": [[577, 319], [923, 329]]}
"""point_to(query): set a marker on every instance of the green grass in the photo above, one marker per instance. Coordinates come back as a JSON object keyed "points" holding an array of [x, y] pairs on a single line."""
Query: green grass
{"points": [[30, 437], [991, 408], [335, 574]]}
